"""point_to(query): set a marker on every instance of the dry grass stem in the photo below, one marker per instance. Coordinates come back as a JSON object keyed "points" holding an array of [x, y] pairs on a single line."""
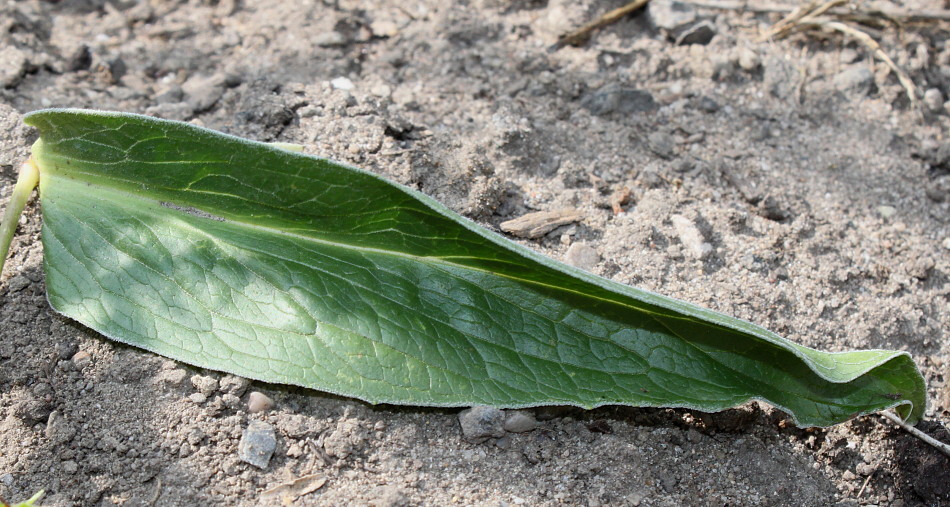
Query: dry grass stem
{"points": [[871, 44], [805, 14], [580, 35], [897, 16]]}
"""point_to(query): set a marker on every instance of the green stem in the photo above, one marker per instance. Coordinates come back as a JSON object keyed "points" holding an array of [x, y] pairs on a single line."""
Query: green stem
{"points": [[29, 177]]}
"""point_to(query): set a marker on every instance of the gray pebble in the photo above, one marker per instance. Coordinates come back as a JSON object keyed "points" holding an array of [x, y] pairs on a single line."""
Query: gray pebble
{"points": [[857, 79], [690, 237], [886, 211], [669, 483], [520, 422], [66, 349], [938, 189], [582, 256], [933, 100], [58, 429], [179, 111], [13, 65], [173, 95], [771, 208], [708, 105], [259, 402], [197, 398], [748, 59], [70, 467], [503, 442], [202, 92], [694, 436], [481, 423], [662, 144], [700, 33], [257, 444], [79, 59], [6, 479], [330, 39], [82, 359], [683, 165], [921, 268], [670, 14], [18, 283], [779, 77], [619, 99]]}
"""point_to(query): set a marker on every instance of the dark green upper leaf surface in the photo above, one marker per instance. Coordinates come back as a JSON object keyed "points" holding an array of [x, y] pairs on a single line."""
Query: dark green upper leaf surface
{"points": [[242, 257]]}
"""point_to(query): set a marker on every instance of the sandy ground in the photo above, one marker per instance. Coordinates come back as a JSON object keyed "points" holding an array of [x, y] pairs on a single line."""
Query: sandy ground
{"points": [[822, 205]]}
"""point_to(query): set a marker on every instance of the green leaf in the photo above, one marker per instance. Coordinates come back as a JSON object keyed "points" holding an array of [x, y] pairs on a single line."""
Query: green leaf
{"points": [[283, 267]]}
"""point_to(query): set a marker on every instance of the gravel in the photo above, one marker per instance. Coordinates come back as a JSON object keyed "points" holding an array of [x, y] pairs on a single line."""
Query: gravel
{"points": [[257, 444]]}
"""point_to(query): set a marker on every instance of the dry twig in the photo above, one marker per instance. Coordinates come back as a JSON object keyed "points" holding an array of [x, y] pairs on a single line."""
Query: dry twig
{"points": [[580, 35], [804, 14], [898, 16], [942, 447], [871, 44], [811, 15]]}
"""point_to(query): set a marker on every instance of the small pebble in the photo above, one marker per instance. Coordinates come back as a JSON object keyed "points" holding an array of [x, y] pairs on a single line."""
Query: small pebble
{"points": [[670, 15], [258, 402], [946, 243], [70, 467], [886, 211], [329, 39], [82, 359], [6, 479], [701, 33], [18, 283], [933, 100], [857, 79], [749, 60], [661, 144], [481, 423], [619, 99], [198, 398], [690, 237], [694, 436], [342, 83], [582, 256], [520, 422], [503, 442], [203, 92], [257, 444], [669, 483]]}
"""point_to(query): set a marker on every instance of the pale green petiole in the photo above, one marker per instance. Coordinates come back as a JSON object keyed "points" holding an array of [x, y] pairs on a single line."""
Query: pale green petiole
{"points": [[25, 183]]}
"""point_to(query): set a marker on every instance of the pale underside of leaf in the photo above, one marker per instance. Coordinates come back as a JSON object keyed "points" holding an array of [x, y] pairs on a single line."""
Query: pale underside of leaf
{"points": [[287, 268]]}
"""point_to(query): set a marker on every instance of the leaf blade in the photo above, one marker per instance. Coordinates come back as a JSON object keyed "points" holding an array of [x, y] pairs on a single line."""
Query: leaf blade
{"points": [[370, 290]]}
